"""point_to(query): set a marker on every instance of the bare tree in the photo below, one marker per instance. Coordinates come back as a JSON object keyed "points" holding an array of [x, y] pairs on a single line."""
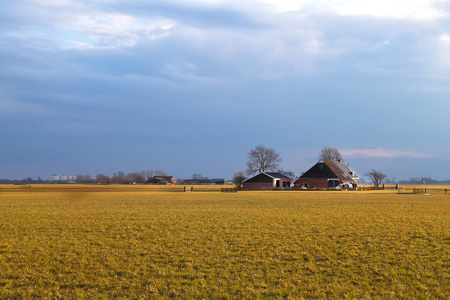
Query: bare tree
{"points": [[124, 179], [238, 178], [120, 178], [160, 173], [115, 179], [86, 178], [149, 174], [377, 177], [330, 154], [198, 176], [136, 177], [102, 179], [262, 159]]}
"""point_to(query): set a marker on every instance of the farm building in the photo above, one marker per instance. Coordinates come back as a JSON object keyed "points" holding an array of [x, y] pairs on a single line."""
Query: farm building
{"points": [[204, 181], [161, 180], [267, 180], [327, 174]]}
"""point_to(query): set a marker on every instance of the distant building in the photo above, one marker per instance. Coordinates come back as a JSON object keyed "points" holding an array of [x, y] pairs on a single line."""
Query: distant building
{"points": [[214, 181], [267, 180], [63, 178], [161, 180], [219, 181], [327, 174]]}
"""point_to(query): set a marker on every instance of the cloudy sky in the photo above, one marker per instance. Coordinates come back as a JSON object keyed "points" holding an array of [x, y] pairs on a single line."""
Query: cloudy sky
{"points": [[190, 86]]}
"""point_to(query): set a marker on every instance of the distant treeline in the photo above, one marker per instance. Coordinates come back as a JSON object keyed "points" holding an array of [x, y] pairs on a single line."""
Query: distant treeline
{"points": [[117, 178], [120, 177], [418, 180], [24, 181]]}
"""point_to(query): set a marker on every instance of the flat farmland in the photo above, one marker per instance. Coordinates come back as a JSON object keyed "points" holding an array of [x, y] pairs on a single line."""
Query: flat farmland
{"points": [[84, 242]]}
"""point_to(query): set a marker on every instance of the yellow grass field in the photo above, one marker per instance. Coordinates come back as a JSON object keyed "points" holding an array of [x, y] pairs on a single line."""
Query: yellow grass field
{"points": [[143, 242]]}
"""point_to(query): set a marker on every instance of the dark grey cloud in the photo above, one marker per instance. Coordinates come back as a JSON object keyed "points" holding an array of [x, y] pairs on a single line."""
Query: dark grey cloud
{"points": [[194, 96]]}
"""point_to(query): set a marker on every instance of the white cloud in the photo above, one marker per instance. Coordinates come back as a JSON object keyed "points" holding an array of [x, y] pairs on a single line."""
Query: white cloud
{"points": [[117, 30], [383, 153], [188, 72], [442, 58], [401, 9], [284, 5], [53, 2], [445, 39], [78, 45], [78, 26]]}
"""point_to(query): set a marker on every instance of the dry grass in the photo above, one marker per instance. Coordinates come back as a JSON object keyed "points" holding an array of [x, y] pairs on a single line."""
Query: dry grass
{"points": [[138, 243]]}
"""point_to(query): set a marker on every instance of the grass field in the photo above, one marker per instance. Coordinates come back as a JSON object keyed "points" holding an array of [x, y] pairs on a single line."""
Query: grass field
{"points": [[134, 242]]}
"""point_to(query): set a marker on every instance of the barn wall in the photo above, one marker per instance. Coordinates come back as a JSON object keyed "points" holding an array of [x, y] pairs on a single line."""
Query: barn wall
{"points": [[285, 182], [258, 185], [267, 185], [314, 182]]}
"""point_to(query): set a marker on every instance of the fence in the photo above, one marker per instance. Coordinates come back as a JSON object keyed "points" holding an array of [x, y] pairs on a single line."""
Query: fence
{"points": [[380, 187], [229, 190], [415, 190], [393, 188], [262, 189], [302, 188]]}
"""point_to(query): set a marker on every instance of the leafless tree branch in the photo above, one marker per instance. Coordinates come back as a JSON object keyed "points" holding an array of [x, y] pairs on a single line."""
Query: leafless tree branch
{"points": [[377, 177], [262, 159]]}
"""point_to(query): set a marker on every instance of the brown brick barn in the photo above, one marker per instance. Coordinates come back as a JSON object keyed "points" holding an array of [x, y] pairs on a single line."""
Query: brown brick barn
{"points": [[267, 180]]}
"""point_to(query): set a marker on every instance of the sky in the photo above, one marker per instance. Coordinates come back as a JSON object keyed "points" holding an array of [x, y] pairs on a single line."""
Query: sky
{"points": [[189, 87]]}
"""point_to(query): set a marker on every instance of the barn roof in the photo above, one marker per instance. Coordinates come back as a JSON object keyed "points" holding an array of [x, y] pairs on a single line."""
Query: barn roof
{"points": [[330, 169], [276, 175], [341, 170], [166, 178], [266, 177]]}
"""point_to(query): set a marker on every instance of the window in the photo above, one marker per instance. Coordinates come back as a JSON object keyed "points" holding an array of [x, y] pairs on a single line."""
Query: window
{"points": [[333, 183]]}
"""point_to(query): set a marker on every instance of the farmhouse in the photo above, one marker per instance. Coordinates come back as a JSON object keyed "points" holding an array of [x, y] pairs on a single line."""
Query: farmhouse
{"points": [[327, 174], [267, 180]]}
